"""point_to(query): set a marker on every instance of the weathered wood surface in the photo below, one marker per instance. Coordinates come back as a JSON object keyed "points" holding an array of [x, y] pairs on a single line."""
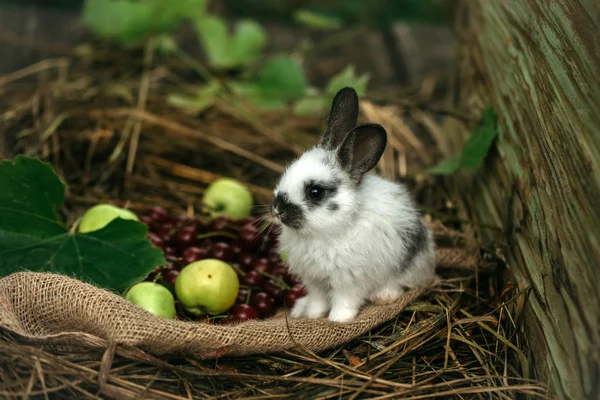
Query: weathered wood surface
{"points": [[538, 64]]}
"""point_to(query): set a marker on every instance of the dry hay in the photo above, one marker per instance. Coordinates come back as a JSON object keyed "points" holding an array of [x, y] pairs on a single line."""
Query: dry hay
{"points": [[104, 126]]}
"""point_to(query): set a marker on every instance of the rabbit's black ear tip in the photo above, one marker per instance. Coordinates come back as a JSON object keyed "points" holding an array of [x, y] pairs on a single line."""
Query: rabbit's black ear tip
{"points": [[347, 94], [347, 90]]}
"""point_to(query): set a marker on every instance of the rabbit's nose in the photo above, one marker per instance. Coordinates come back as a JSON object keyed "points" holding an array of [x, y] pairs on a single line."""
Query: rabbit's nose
{"points": [[279, 203]]}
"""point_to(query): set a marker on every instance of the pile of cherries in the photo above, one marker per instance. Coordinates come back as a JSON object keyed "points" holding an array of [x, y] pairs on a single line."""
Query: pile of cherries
{"points": [[265, 281]]}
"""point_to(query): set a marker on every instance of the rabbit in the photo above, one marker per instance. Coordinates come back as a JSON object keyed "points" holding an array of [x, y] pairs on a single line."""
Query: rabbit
{"points": [[350, 236]]}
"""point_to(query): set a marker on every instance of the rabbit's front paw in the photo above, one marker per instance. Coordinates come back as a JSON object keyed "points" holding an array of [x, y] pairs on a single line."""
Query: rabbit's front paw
{"points": [[313, 305], [344, 306], [343, 314], [317, 307], [299, 309], [387, 295]]}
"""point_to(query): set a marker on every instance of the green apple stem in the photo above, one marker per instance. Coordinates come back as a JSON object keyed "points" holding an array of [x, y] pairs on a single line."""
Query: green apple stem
{"points": [[75, 225]]}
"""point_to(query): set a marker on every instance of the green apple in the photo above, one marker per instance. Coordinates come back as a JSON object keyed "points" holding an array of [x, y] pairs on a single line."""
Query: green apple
{"points": [[153, 297], [228, 197], [208, 286], [100, 215]]}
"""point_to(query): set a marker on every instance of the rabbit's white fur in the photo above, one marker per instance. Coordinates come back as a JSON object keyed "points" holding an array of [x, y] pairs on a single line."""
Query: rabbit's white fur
{"points": [[356, 253], [364, 240]]}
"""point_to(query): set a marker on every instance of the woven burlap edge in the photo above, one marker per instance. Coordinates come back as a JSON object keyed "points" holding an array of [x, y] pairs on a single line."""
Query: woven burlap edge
{"points": [[66, 314]]}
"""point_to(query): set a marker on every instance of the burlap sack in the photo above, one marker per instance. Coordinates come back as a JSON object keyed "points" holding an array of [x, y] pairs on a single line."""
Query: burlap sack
{"points": [[64, 313], [67, 314]]}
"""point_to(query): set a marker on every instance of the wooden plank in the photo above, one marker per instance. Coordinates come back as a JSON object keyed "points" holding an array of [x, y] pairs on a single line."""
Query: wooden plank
{"points": [[538, 64]]}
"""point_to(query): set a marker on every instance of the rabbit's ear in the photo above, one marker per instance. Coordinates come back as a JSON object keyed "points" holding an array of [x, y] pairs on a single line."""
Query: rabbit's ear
{"points": [[361, 150], [342, 118]]}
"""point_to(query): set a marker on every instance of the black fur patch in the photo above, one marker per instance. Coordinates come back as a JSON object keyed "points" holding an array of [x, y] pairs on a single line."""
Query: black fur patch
{"points": [[330, 187], [290, 214], [416, 242], [333, 207]]}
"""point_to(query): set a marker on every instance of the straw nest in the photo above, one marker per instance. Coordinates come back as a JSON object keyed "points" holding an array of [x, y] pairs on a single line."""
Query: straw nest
{"points": [[103, 124]]}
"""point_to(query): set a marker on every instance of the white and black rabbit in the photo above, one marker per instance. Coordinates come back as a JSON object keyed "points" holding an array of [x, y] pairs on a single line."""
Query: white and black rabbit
{"points": [[350, 237]]}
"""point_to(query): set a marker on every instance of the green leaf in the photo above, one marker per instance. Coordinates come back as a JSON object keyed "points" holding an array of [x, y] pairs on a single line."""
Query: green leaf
{"points": [[206, 96], [228, 51], [310, 106], [251, 92], [316, 20], [446, 167], [475, 149], [348, 77], [478, 145], [212, 34], [316, 104], [130, 22], [282, 77], [33, 238], [247, 44], [121, 20]]}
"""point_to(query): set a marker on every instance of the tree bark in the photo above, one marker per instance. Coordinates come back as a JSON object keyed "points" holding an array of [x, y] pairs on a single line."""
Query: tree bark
{"points": [[537, 63]]}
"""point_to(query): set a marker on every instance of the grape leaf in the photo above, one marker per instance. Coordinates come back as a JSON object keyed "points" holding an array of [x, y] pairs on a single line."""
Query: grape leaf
{"points": [[33, 238]]}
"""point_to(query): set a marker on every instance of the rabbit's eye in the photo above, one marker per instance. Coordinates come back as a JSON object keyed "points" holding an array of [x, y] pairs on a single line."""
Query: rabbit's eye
{"points": [[316, 192]]}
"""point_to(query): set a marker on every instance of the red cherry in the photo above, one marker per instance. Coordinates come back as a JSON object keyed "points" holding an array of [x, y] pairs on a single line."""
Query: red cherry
{"points": [[184, 237], [170, 251], [273, 288], [259, 296], [220, 223], [159, 213], [221, 251], [206, 244], [263, 303], [147, 219], [156, 240], [166, 227], [253, 278], [243, 312], [279, 271], [236, 250], [250, 237], [170, 276], [273, 255], [292, 295], [261, 264], [193, 253], [242, 296], [245, 260]]}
